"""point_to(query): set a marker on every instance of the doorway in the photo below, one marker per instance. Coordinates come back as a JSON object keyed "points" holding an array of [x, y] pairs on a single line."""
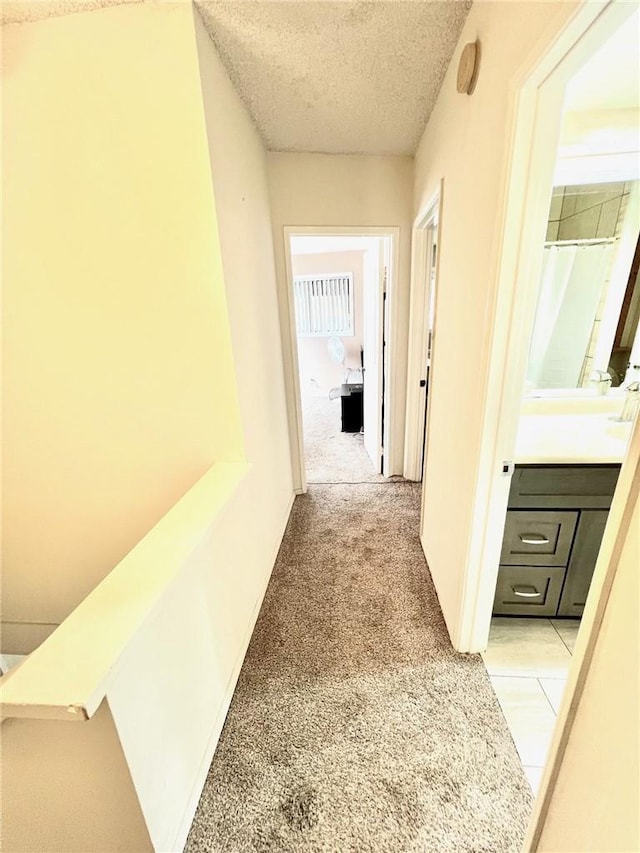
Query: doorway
{"points": [[341, 286], [569, 243]]}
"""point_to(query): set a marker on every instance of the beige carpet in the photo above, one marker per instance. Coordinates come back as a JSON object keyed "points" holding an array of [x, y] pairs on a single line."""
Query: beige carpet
{"points": [[332, 456], [354, 726]]}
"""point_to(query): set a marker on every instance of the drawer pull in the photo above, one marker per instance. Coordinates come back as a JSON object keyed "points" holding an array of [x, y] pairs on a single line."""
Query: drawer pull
{"points": [[523, 591], [533, 539]]}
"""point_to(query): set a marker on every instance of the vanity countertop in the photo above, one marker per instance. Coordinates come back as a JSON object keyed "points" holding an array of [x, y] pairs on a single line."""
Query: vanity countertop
{"points": [[584, 438]]}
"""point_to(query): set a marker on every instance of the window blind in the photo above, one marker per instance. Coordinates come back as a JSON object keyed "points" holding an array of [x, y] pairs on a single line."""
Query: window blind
{"points": [[324, 305]]}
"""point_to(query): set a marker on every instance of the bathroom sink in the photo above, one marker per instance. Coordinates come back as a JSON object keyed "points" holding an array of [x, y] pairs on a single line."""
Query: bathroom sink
{"points": [[619, 429]]}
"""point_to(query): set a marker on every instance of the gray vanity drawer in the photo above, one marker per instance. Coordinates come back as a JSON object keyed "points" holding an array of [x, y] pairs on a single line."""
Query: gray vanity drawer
{"points": [[538, 538], [560, 486], [527, 591]]}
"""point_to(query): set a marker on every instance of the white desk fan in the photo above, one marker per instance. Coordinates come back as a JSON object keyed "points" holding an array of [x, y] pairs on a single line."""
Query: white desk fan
{"points": [[337, 354]]}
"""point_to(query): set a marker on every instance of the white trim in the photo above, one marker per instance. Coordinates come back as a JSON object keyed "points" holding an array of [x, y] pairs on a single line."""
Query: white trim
{"points": [[393, 373], [418, 334], [290, 351], [292, 374], [535, 119]]}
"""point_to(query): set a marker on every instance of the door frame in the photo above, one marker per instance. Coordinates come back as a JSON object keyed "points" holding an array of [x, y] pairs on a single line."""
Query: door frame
{"points": [[417, 421], [535, 125], [392, 374], [535, 121]]}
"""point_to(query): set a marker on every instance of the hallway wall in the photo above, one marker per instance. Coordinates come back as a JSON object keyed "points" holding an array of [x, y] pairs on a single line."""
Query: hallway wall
{"points": [[464, 132], [142, 345], [357, 191], [119, 386], [239, 170]]}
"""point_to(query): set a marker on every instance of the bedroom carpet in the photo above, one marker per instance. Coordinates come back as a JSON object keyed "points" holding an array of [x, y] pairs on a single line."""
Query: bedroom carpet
{"points": [[354, 726], [332, 456]]}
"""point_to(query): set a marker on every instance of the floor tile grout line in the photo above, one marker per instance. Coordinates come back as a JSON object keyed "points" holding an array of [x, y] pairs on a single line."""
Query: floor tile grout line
{"points": [[555, 713], [527, 675], [562, 638]]}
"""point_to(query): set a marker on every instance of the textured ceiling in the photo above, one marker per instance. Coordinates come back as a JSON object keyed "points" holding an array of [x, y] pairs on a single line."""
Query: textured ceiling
{"points": [[333, 76], [337, 76], [25, 11]]}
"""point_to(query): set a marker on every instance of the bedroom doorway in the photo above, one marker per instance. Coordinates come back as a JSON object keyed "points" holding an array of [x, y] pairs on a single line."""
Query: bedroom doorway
{"points": [[340, 285]]}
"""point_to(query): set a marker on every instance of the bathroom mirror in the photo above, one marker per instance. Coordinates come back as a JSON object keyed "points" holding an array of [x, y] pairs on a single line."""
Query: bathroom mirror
{"points": [[588, 307]]}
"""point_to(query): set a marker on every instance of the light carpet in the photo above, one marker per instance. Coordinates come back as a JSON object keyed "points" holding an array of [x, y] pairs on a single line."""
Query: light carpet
{"points": [[354, 725], [332, 456]]}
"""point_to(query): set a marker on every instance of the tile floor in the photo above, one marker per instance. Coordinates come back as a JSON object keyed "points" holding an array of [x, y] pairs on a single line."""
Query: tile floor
{"points": [[528, 661]]}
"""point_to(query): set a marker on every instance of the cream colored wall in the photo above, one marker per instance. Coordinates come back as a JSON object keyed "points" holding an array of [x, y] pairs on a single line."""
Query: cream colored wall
{"points": [[357, 191], [318, 374], [187, 599], [594, 806], [172, 688], [465, 144], [239, 168], [118, 383], [167, 716], [66, 788]]}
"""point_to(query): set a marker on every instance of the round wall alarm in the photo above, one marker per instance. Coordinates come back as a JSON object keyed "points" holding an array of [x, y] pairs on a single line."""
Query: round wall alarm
{"points": [[468, 68]]}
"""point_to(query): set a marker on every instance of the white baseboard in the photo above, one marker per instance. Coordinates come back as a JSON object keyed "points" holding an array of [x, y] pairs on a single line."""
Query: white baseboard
{"points": [[194, 799]]}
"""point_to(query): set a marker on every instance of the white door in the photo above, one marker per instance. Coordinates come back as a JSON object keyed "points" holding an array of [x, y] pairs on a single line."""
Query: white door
{"points": [[372, 333], [432, 248]]}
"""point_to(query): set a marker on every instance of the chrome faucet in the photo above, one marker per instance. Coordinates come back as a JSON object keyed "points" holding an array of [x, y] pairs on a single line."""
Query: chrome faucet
{"points": [[631, 402], [600, 380]]}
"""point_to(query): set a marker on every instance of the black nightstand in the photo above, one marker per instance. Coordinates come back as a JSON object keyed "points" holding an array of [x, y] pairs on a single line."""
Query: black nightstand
{"points": [[351, 400]]}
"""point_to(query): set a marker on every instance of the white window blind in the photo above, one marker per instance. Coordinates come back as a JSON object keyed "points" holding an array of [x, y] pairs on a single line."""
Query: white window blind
{"points": [[324, 305]]}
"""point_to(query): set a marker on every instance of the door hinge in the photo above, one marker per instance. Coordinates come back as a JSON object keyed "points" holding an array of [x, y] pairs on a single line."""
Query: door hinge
{"points": [[423, 383], [508, 468]]}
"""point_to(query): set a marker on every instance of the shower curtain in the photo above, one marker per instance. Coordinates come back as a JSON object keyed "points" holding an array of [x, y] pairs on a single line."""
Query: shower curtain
{"points": [[571, 286]]}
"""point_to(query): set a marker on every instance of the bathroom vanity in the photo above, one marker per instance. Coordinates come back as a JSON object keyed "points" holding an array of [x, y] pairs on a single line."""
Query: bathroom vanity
{"points": [[568, 460], [555, 521], [581, 394]]}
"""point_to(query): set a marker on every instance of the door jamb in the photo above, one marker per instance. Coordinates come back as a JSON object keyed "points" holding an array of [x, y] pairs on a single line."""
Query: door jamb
{"points": [[290, 349], [418, 322]]}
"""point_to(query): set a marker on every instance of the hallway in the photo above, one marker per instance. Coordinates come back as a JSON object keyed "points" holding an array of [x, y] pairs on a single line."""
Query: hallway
{"points": [[354, 726]]}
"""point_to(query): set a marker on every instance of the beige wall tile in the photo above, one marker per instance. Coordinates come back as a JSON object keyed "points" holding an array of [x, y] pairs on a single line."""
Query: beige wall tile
{"points": [[552, 231], [555, 209], [581, 226], [608, 221]]}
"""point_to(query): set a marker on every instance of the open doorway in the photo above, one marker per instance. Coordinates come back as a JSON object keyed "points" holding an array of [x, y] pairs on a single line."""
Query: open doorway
{"points": [[340, 282], [570, 384]]}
